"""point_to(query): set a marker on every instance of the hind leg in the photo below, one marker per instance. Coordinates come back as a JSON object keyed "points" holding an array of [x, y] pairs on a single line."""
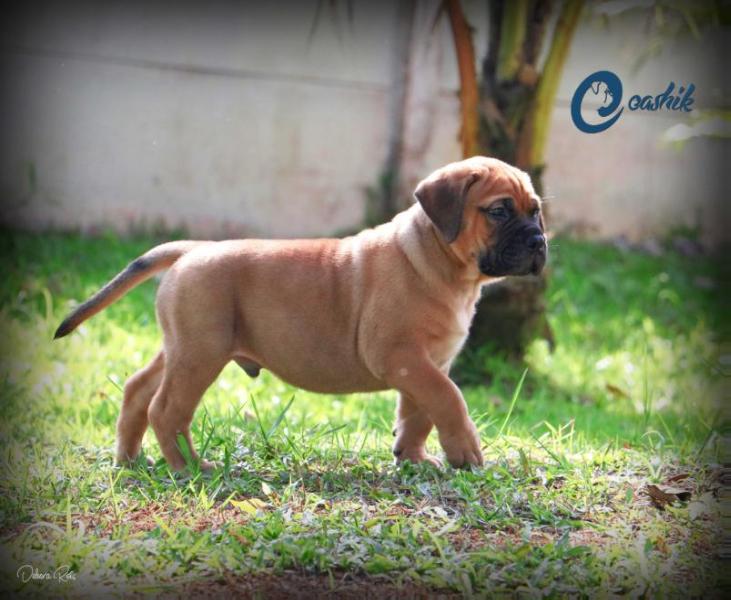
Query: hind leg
{"points": [[185, 380], [132, 422]]}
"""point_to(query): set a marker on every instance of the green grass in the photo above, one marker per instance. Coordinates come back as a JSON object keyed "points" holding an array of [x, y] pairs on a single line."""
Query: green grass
{"points": [[308, 494]]}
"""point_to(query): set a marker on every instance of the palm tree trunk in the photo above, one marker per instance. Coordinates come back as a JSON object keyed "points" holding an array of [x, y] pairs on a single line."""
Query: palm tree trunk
{"points": [[468, 93], [514, 111]]}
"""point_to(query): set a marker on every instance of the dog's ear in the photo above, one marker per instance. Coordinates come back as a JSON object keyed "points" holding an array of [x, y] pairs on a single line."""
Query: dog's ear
{"points": [[442, 196]]}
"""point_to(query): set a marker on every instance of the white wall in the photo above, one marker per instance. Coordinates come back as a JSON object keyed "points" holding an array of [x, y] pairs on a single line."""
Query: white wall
{"points": [[229, 119], [223, 119]]}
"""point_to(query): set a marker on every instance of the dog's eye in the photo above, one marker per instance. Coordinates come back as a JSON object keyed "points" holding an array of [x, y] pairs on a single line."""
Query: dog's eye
{"points": [[535, 213], [498, 212]]}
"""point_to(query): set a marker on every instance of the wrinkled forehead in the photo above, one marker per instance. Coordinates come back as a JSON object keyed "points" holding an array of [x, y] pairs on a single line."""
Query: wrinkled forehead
{"points": [[501, 179]]}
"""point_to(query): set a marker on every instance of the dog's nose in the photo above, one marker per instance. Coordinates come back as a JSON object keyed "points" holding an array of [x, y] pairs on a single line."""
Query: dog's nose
{"points": [[536, 242]]}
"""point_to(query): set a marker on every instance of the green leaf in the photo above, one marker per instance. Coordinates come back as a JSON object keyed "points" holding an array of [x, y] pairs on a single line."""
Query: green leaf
{"points": [[379, 564]]}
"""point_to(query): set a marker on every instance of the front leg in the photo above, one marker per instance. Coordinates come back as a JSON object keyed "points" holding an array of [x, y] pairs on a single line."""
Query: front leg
{"points": [[412, 428], [433, 393]]}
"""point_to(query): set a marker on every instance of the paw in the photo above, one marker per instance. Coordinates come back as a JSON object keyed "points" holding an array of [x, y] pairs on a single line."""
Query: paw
{"points": [[198, 465], [208, 465], [463, 447], [138, 461], [415, 455]]}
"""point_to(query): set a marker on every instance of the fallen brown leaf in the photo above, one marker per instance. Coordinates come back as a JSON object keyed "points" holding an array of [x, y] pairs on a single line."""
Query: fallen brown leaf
{"points": [[658, 497], [616, 391], [661, 497], [680, 493]]}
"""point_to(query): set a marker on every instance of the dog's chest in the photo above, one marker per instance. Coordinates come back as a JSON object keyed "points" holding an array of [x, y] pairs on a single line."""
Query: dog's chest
{"points": [[444, 351], [445, 346]]}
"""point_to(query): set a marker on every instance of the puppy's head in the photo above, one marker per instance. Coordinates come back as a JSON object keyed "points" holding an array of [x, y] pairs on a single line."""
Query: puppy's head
{"points": [[488, 213]]}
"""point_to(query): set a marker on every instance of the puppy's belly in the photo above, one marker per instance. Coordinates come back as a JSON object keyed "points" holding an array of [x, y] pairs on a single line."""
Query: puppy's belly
{"points": [[331, 383], [314, 376]]}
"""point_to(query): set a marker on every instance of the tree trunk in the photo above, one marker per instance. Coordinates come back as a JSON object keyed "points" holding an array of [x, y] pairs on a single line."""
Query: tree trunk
{"points": [[513, 113], [468, 93]]}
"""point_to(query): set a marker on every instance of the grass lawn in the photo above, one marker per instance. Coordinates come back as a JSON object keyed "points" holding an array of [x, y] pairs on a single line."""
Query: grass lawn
{"points": [[308, 500]]}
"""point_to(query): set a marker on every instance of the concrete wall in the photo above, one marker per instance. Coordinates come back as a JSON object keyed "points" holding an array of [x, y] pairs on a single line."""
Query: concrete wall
{"points": [[244, 119]]}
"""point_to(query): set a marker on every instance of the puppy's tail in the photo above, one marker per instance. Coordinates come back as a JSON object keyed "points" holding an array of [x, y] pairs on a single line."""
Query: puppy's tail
{"points": [[139, 270]]}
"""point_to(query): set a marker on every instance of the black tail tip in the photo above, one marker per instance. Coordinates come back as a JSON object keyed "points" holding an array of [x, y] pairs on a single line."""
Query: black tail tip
{"points": [[63, 330]]}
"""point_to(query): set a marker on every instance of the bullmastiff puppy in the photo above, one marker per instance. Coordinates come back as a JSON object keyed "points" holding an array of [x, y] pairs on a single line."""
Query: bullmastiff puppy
{"points": [[388, 308]]}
